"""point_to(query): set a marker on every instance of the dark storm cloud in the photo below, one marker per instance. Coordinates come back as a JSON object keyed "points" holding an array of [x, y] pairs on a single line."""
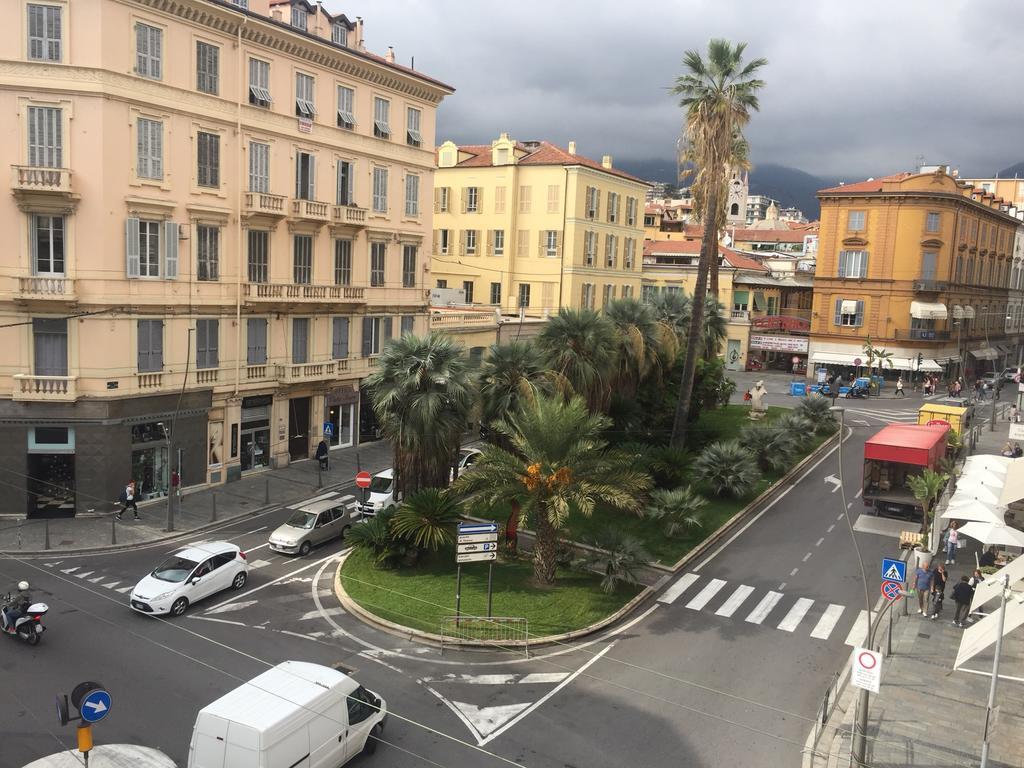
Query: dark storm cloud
{"points": [[852, 88]]}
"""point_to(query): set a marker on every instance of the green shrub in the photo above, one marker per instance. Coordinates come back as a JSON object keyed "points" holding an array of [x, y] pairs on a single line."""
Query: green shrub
{"points": [[680, 509], [772, 446], [618, 559], [816, 411], [727, 468]]}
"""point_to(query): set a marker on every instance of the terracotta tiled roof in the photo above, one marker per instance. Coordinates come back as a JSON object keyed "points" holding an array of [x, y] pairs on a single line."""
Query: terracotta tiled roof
{"points": [[652, 208], [870, 185], [674, 247], [544, 154], [753, 235]]}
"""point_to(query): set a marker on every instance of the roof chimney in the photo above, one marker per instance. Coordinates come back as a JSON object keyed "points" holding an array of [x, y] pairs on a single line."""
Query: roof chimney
{"points": [[389, 57], [276, 14], [606, 161], [572, 147], [360, 43]]}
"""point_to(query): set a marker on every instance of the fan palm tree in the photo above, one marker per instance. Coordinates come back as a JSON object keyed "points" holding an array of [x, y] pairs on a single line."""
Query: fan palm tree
{"points": [[645, 345], [681, 509], [579, 346], [422, 394], [511, 374], [675, 310], [558, 466], [728, 468], [718, 96], [427, 518], [617, 557]]}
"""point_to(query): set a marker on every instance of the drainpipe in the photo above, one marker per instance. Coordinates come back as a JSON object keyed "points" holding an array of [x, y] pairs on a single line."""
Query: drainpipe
{"points": [[565, 219], [241, 201]]}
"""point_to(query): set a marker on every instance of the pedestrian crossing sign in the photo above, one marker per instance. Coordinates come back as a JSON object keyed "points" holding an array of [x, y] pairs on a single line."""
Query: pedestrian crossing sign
{"points": [[894, 570]]}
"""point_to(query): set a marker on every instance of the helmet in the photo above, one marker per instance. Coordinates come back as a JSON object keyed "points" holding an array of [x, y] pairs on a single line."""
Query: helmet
{"points": [[23, 586]]}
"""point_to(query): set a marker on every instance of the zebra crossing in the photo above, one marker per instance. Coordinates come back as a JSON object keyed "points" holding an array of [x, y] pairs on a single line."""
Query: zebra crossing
{"points": [[860, 415], [771, 609]]}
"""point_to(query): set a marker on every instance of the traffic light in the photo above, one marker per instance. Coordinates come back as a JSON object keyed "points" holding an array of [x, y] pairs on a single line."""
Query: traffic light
{"points": [[920, 358]]}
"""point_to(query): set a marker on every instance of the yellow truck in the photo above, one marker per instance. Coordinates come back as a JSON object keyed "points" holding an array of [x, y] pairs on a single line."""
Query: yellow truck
{"points": [[958, 417]]}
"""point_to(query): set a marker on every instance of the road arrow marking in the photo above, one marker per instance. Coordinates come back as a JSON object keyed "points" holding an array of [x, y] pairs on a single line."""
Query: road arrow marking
{"points": [[125, 590], [111, 585], [229, 607], [835, 481], [83, 574], [96, 706], [97, 580], [70, 570]]}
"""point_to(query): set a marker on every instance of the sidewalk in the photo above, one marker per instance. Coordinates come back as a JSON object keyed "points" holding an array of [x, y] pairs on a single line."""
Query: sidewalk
{"points": [[252, 494]]}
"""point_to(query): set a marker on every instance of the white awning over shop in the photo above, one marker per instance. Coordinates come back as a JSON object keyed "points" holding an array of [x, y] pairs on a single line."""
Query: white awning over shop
{"points": [[985, 353], [833, 358], [958, 312], [968, 311], [931, 366], [924, 310], [948, 360], [991, 586]]}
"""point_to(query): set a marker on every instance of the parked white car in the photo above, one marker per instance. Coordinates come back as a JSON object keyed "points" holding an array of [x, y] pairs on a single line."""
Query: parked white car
{"points": [[188, 576]]}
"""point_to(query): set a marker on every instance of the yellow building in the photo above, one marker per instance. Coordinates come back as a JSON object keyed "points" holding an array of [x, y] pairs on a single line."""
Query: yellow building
{"points": [[922, 264], [217, 218], [530, 225]]}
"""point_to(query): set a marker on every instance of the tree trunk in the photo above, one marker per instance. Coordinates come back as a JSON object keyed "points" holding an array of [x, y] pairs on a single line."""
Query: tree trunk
{"points": [[695, 338], [713, 272], [512, 528], [545, 548]]}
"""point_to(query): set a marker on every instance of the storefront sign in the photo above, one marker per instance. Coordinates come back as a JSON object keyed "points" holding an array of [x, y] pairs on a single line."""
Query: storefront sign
{"points": [[342, 396], [781, 323], [779, 343]]}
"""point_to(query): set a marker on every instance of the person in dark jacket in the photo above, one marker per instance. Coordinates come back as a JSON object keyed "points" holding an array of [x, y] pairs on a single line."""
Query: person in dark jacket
{"points": [[988, 558], [938, 591], [321, 454], [963, 593]]}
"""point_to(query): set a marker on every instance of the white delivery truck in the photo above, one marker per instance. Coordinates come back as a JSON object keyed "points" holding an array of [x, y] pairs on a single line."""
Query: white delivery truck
{"points": [[296, 715]]}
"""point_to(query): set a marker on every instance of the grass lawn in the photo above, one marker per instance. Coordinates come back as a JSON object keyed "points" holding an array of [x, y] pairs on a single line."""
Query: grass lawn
{"points": [[420, 597], [723, 424]]}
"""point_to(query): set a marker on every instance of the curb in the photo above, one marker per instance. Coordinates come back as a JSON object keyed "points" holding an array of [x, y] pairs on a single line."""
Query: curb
{"points": [[429, 638]]}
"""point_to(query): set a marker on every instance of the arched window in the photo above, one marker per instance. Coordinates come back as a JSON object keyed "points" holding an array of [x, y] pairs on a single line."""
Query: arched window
{"points": [[735, 210]]}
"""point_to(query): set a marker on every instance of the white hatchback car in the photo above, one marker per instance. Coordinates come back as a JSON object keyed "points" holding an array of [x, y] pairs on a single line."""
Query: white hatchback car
{"points": [[188, 576]]}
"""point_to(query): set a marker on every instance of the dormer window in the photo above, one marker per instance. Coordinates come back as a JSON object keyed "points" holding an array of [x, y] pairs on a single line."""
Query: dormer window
{"points": [[299, 17], [339, 34]]}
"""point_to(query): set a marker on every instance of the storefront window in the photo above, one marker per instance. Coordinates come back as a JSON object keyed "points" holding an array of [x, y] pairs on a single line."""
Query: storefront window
{"points": [[255, 442], [150, 467]]}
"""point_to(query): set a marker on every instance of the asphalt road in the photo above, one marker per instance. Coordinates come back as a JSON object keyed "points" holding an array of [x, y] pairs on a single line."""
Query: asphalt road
{"points": [[726, 669]]}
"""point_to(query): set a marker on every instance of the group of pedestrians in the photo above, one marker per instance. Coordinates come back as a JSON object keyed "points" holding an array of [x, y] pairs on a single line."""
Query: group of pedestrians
{"points": [[930, 586]]}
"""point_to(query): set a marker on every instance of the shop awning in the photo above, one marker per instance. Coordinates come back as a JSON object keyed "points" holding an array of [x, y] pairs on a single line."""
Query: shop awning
{"points": [[957, 312], [925, 310], [848, 307], [833, 358], [985, 353], [968, 311], [931, 366]]}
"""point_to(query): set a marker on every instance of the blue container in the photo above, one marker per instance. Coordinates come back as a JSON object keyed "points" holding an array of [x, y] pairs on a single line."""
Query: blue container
{"points": [[863, 381], [798, 388], [816, 388], [844, 390]]}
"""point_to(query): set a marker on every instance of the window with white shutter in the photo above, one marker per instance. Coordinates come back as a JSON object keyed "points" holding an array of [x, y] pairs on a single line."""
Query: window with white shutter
{"points": [[259, 83], [149, 149], [207, 159], [499, 242], [853, 264], [380, 190], [413, 137], [149, 43], [472, 199], [44, 32], [551, 243], [170, 250], [207, 343], [525, 198], [305, 103], [381, 118], [499, 199], [346, 110], [412, 195], [470, 237], [146, 249], [132, 241], [611, 250], [259, 167], [554, 197], [339, 34], [207, 68], [45, 137], [631, 207]]}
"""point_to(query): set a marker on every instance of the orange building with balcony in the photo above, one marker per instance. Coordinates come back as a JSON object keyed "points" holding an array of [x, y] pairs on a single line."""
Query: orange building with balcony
{"points": [[219, 215]]}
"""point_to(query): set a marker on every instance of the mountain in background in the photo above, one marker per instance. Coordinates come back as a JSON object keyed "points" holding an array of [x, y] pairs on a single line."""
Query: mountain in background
{"points": [[790, 186], [1013, 172]]}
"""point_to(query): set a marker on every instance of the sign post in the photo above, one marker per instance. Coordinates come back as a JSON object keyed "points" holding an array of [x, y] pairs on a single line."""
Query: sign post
{"points": [[93, 704], [477, 542]]}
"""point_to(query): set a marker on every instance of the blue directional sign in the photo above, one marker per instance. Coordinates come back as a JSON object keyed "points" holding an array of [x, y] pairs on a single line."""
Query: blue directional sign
{"points": [[95, 706], [465, 528], [328, 429], [894, 570]]}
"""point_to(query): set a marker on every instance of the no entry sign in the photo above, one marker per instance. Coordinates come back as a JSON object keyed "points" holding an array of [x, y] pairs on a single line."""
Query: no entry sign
{"points": [[363, 480]]}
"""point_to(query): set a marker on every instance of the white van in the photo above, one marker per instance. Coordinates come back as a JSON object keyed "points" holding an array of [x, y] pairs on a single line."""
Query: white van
{"points": [[381, 494], [296, 715]]}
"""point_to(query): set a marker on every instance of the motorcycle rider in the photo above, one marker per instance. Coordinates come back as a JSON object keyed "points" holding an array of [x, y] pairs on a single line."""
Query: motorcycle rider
{"points": [[18, 607]]}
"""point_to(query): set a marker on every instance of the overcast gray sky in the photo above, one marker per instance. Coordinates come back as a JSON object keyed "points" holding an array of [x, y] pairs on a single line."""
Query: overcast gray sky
{"points": [[852, 87]]}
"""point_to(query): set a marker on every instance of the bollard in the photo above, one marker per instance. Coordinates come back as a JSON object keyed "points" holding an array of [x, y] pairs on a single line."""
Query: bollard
{"points": [[266, 492], [113, 530], [46, 533], [213, 515]]}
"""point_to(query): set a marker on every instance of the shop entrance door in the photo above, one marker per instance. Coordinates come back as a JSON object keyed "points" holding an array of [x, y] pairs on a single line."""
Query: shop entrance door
{"points": [[340, 418], [51, 485], [298, 428]]}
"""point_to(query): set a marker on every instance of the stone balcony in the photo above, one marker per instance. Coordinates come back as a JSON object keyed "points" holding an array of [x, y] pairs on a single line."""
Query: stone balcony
{"points": [[44, 388], [349, 215], [739, 316], [301, 292], [45, 287], [265, 204], [34, 179], [293, 373], [311, 210]]}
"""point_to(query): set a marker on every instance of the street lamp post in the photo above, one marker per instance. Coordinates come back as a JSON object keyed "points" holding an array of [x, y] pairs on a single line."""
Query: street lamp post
{"points": [[995, 673], [861, 727]]}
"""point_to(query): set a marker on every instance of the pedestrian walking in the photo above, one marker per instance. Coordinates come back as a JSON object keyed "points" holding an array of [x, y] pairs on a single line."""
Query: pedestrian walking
{"points": [[923, 585], [952, 539], [938, 593], [963, 593], [899, 388], [1014, 415], [976, 579], [322, 453], [128, 500]]}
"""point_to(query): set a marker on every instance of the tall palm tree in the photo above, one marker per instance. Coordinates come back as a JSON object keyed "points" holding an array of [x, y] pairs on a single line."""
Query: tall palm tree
{"points": [[558, 466], [579, 346], [645, 345], [676, 310], [422, 393], [510, 374], [718, 96]]}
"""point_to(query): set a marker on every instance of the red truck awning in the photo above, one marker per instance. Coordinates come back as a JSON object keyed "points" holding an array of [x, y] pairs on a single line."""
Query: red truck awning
{"points": [[916, 444]]}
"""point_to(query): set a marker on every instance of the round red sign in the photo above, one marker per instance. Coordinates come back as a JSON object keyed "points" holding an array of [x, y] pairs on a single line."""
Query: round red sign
{"points": [[363, 480], [857, 362], [937, 423]]}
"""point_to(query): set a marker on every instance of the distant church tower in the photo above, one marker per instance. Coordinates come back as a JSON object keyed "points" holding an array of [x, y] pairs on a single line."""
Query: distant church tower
{"points": [[736, 205]]}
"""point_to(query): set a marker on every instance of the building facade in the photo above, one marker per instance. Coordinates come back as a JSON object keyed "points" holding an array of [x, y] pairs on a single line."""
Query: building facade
{"points": [[530, 226], [922, 264], [217, 220]]}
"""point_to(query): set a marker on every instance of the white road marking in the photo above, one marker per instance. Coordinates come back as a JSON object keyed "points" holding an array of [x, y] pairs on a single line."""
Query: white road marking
{"points": [[543, 677], [704, 596], [320, 614], [836, 485], [111, 585], [259, 563], [51, 565], [230, 607], [760, 613], [70, 570], [782, 586], [859, 632], [218, 621], [277, 580], [261, 546], [485, 720], [862, 422], [247, 533], [83, 574], [735, 600], [673, 592], [296, 634], [841, 517], [124, 590], [849, 505], [827, 622], [97, 579], [819, 541], [807, 556], [793, 572], [857, 495], [831, 528], [796, 614]]}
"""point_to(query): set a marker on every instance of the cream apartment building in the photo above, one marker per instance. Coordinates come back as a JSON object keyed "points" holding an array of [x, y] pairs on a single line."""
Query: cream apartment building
{"points": [[219, 213], [531, 226]]}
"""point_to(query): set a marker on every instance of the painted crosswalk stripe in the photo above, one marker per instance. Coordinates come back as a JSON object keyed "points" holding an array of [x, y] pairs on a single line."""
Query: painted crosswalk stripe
{"points": [[124, 590], [83, 574], [111, 585], [673, 592], [735, 600], [796, 614], [760, 613], [859, 632], [259, 563], [827, 622], [704, 596], [69, 570]]}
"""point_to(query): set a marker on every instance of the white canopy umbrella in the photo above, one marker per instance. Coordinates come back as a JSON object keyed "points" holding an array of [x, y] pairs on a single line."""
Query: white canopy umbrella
{"points": [[992, 586], [977, 512], [1013, 485], [973, 493], [982, 476], [988, 533], [989, 462]]}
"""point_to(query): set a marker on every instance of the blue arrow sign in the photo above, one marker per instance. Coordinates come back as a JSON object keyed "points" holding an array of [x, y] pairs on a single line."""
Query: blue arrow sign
{"points": [[894, 570], [478, 528], [95, 706]]}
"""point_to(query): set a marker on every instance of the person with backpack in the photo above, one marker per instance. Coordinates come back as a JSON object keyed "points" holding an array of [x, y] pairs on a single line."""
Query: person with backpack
{"points": [[127, 500]]}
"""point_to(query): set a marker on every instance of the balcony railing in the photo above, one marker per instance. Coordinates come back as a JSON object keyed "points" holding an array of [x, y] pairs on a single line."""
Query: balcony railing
{"points": [[349, 214], [301, 292], [46, 287], [150, 380], [740, 315], [258, 372], [441, 320], [297, 372], [265, 203], [923, 334], [929, 285], [207, 375], [31, 178], [313, 210], [44, 388]]}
